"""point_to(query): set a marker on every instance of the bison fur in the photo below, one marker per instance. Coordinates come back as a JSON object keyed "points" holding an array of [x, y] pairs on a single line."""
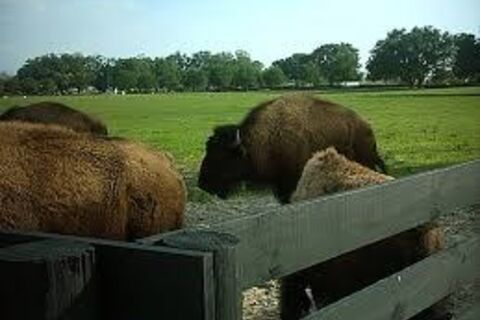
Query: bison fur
{"points": [[275, 140], [55, 113], [328, 172], [53, 179]]}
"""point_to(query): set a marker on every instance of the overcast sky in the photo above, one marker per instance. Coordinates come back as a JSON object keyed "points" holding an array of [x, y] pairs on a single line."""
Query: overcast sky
{"points": [[268, 30]]}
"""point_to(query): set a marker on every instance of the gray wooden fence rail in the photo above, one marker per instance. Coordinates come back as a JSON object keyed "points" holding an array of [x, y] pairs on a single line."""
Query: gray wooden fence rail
{"points": [[293, 237], [199, 274]]}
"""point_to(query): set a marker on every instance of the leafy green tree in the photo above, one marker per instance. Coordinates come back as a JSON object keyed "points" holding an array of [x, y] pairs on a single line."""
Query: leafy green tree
{"points": [[49, 73], [221, 69], [293, 67], [125, 75], [12, 86], [310, 74], [147, 80], [196, 79], [199, 60], [181, 60], [411, 57], [168, 73], [4, 78], [467, 57], [247, 72], [273, 77], [337, 62], [104, 77]]}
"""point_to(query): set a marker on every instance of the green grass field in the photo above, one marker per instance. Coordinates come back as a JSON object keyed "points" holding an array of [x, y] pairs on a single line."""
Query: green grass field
{"points": [[416, 129]]}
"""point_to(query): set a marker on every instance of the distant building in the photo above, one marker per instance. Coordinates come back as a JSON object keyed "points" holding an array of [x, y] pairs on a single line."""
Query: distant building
{"points": [[350, 84]]}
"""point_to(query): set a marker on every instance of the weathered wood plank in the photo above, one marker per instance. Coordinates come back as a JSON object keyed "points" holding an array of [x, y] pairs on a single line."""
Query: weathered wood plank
{"points": [[472, 314], [412, 290], [143, 282], [297, 236], [227, 290], [46, 280]]}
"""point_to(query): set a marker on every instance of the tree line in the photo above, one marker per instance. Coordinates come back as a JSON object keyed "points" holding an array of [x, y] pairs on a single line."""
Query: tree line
{"points": [[423, 55]]}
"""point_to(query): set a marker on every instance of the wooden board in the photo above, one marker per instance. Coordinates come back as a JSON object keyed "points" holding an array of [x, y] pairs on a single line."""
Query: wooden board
{"points": [[293, 237], [472, 314], [144, 282], [223, 246], [412, 290], [46, 279]]}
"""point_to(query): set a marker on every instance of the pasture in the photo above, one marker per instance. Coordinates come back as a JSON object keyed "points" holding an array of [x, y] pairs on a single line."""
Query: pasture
{"points": [[416, 130]]}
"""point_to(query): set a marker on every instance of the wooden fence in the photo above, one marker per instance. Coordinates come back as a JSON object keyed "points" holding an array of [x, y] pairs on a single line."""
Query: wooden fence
{"points": [[200, 273]]}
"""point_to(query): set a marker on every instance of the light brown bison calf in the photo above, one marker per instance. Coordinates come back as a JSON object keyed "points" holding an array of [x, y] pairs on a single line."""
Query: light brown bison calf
{"points": [[53, 179], [328, 172]]}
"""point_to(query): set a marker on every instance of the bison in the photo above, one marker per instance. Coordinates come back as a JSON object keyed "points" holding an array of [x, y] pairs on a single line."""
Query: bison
{"points": [[55, 113], [328, 172], [275, 140], [54, 179]]}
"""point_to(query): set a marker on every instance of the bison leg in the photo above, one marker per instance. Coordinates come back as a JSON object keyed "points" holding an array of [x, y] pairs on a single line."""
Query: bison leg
{"points": [[283, 189], [294, 303]]}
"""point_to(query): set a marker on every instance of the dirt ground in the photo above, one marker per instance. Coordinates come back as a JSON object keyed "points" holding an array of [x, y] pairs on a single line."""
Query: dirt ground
{"points": [[261, 303]]}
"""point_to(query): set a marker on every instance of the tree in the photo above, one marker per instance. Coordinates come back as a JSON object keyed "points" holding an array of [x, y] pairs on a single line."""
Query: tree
{"points": [[196, 79], [221, 69], [104, 78], [125, 74], [466, 66], [4, 78], [147, 80], [168, 73], [51, 73], [273, 77], [293, 68], [411, 57], [337, 62], [12, 86], [247, 72], [310, 74]]}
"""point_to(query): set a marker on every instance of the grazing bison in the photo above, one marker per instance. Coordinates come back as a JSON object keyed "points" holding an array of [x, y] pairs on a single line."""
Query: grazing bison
{"points": [[55, 113], [327, 172], [53, 179], [275, 140]]}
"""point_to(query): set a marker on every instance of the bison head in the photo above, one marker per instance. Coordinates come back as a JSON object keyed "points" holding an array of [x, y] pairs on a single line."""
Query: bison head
{"points": [[225, 163]]}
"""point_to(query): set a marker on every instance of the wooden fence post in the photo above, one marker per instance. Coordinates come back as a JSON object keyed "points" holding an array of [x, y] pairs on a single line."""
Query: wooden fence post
{"points": [[223, 246], [47, 279]]}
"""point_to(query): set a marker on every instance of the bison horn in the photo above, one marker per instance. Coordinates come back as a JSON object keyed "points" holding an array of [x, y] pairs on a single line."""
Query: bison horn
{"points": [[237, 141]]}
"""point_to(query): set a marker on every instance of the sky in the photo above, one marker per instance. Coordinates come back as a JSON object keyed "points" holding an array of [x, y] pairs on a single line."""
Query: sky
{"points": [[268, 29]]}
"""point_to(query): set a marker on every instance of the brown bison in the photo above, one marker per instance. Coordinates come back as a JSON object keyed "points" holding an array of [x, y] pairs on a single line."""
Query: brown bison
{"points": [[53, 179], [55, 113], [275, 140], [327, 172]]}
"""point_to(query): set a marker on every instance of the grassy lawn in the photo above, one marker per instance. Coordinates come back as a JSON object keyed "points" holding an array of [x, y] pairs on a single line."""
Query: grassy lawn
{"points": [[416, 129]]}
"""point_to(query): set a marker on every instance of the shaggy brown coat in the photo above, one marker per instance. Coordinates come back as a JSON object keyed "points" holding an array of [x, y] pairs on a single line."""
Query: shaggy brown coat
{"points": [[55, 113], [328, 172], [278, 137], [53, 179]]}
